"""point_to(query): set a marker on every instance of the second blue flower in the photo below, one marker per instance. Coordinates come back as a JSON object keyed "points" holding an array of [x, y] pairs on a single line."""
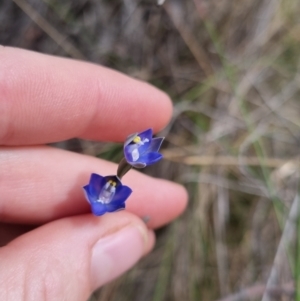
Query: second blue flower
{"points": [[141, 149]]}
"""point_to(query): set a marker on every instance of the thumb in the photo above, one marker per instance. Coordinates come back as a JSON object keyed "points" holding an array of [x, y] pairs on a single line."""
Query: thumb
{"points": [[69, 258]]}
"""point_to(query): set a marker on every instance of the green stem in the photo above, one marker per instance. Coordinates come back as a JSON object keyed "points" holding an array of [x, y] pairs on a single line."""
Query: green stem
{"points": [[123, 168]]}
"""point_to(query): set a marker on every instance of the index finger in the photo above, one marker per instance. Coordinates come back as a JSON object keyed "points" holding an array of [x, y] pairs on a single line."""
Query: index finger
{"points": [[46, 99]]}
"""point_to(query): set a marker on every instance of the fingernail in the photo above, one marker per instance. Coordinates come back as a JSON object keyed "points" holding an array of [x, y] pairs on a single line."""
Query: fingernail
{"points": [[114, 254]]}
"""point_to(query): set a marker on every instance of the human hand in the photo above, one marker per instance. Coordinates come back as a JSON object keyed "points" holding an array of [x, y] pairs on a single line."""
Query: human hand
{"points": [[68, 253]]}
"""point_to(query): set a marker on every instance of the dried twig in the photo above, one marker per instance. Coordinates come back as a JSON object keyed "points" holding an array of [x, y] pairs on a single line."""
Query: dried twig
{"points": [[225, 160]]}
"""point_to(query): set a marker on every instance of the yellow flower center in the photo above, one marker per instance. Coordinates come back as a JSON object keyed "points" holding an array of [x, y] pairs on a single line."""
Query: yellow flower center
{"points": [[112, 183], [137, 139]]}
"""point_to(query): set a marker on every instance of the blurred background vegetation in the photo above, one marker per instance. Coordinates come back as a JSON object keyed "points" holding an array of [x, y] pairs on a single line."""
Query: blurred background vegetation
{"points": [[232, 70]]}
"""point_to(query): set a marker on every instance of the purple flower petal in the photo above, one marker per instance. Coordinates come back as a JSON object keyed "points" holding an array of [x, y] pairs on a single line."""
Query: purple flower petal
{"points": [[150, 158], [122, 193], [141, 150], [89, 197], [138, 164], [146, 134], [131, 153], [95, 185], [98, 208], [155, 144], [113, 207], [106, 194]]}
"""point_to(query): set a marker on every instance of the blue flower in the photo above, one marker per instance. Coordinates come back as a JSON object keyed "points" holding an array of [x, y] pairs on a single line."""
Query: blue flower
{"points": [[141, 150], [106, 194]]}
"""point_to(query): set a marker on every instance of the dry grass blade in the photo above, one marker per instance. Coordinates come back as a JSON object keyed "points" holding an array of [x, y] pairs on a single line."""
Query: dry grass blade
{"points": [[280, 266], [226, 160], [255, 292], [60, 39], [221, 214], [174, 10]]}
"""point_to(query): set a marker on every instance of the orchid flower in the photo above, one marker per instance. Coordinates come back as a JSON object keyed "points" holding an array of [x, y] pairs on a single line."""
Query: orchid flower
{"points": [[141, 149], [106, 194]]}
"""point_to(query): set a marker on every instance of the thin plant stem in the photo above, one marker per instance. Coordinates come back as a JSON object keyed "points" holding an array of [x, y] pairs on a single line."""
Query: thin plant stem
{"points": [[123, 168]]}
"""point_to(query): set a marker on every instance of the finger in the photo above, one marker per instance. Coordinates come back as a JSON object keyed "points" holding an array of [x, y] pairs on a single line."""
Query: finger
{"points": [[45, 99], [39, 184], [69, 258], [8, 232]]}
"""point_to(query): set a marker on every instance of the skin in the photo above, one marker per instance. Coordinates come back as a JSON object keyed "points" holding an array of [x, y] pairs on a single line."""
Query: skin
{"points": [[52, 247]]}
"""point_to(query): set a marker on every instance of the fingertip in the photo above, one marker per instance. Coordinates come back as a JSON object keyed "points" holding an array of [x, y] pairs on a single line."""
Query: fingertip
{"points": [[182, 196], [115, 253], [65, 99], [159, 201], [146, 107], [151, 242], [176, 200], [68, 258]]}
